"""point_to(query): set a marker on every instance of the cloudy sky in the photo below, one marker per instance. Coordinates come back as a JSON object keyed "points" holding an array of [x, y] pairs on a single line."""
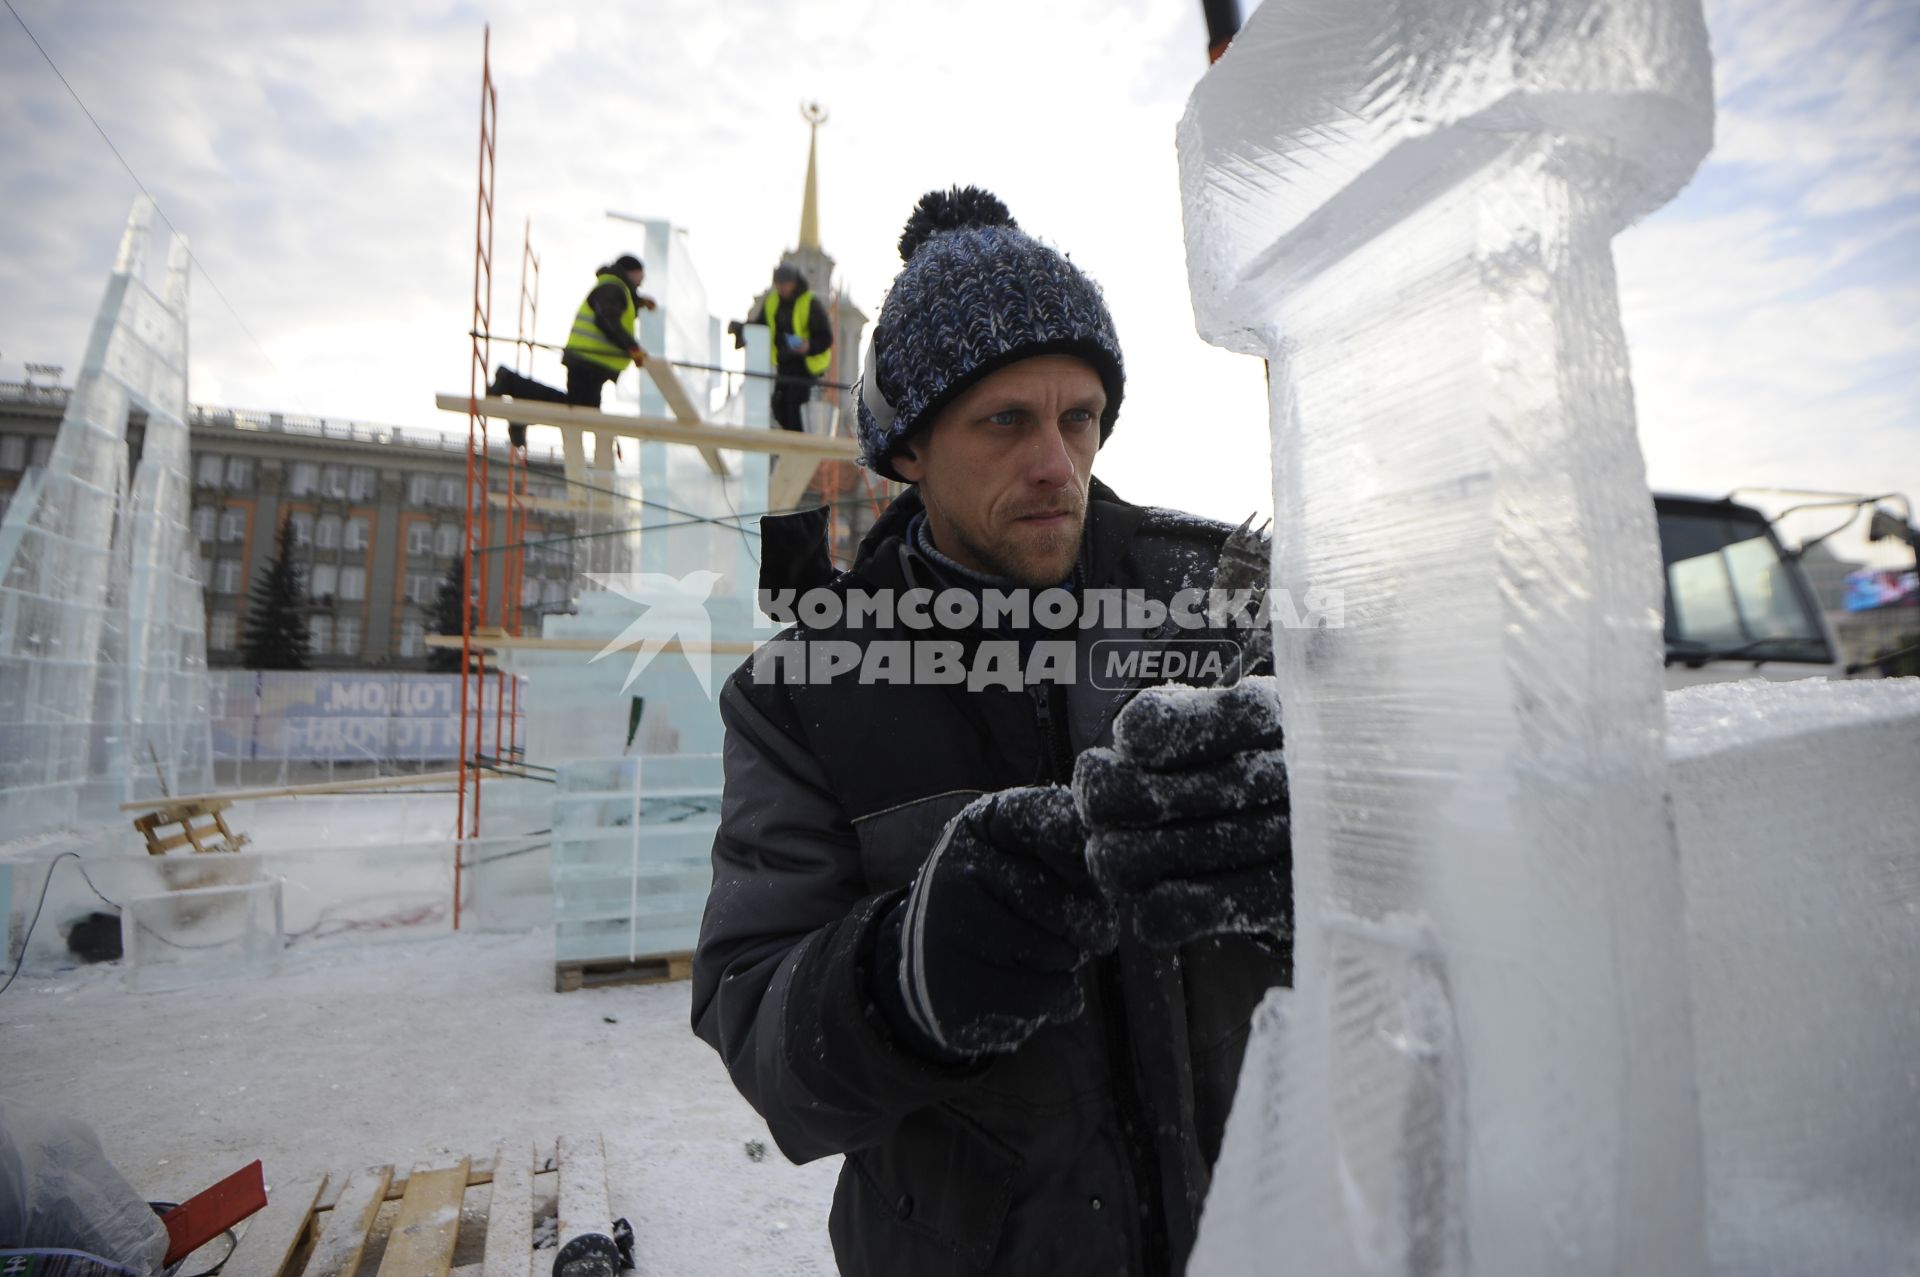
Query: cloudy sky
{"points": [[322, 159]]}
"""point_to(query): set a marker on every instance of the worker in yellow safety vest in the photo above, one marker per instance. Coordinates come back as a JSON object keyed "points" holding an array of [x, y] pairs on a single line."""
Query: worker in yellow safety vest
{"points": [[802, 343], [599, 347]]}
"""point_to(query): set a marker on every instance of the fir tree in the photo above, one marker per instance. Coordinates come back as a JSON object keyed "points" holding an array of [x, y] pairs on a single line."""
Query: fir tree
{"points": [[446, 616], [277, 637]]}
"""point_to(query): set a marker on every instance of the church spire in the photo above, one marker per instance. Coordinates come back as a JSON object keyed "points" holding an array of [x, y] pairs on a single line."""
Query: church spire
{"points": [[815, 115]]}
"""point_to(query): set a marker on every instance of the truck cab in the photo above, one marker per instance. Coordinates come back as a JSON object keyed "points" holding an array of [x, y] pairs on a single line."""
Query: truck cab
{"points": [[1737, 604]]}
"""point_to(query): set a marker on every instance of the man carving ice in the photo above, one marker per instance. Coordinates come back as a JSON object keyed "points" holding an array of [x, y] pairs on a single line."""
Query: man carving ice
{"points": [[997, 945]]}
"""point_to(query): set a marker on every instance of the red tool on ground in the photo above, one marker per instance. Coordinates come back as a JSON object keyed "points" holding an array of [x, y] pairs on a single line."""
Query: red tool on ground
{"points": [[204, 1216]]}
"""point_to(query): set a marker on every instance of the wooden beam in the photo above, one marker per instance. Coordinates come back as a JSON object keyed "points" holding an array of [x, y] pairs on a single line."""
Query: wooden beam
{"points": [[532, 643], [509, 1245], [421, 1243], [272, 1235], [337, 1253], [573, 419], [584, 1204], [682, 407], [790, 477]]}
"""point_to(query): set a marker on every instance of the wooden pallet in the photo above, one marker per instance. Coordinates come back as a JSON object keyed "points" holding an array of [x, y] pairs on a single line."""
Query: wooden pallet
{"points": [[210, 836], [331, 1225], [653, 969]]}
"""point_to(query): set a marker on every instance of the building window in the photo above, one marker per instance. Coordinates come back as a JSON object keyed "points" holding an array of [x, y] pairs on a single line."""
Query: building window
{"points": [[240, 473], [226, 576], [449, 492], [13, 452], [208, 469], [353, 584], [333, 481], [326, 532], [419, 538], [302, 525], [529, 593], [320, 630], [356, 533], [220, 631], [419, 489], [412, 638], [233, 525], [306, 477], [326, 580], [346, 636], [361, 481], [420, 587], [446, 540], [41, 452], [553, 593], [205, 519]]}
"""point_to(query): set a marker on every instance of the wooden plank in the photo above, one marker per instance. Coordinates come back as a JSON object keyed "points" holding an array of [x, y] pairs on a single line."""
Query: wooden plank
{"points": [[344, 1236], [478, 1172], [421, 1243], [681, 406], [509, 1249], [271, 1235], [572, 419], [583, 1188], [789, 481]]}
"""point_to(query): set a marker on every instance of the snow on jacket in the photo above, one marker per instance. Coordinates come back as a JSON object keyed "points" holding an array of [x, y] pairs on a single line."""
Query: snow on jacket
{"points": [[1087, 1149]]}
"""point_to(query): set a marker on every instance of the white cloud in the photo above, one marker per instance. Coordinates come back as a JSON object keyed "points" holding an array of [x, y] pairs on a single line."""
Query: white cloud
{"points": [[323, 159]]}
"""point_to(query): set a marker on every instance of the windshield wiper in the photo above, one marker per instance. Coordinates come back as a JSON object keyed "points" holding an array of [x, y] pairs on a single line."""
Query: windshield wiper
{"points": [[1697, 654]]}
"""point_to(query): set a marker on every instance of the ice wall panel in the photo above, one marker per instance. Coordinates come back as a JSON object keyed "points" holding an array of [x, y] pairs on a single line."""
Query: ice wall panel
{"points": [[1799, 828]]}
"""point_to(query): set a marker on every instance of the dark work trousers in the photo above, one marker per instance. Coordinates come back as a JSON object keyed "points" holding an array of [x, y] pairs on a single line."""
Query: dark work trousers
{"points": [[788, 394], [585, 381]]}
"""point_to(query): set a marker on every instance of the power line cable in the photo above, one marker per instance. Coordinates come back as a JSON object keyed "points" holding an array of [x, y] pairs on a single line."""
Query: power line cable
{"points": [[191, 256]]}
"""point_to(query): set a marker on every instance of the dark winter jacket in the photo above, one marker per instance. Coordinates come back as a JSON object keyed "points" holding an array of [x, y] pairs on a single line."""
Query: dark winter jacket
{"points": [[1086, 1150]]}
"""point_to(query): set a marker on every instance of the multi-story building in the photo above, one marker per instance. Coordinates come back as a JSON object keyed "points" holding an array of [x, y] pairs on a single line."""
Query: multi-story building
{"points": [[375, 512]]}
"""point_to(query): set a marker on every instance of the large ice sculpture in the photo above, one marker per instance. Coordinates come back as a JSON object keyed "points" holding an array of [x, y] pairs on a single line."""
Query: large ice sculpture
{"points": [[103, 688], [1406, 205]]}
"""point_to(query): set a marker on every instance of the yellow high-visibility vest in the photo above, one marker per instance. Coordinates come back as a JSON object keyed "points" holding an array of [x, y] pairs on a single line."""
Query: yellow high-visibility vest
{"points": [[802, 312], [586, 339]]}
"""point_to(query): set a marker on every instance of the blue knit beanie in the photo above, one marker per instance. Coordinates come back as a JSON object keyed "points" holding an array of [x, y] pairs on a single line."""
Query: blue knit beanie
{"points": [[976, 294]]}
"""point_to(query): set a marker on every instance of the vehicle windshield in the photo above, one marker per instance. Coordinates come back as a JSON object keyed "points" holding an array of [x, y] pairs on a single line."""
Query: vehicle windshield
{"points": [[1729, 594]]}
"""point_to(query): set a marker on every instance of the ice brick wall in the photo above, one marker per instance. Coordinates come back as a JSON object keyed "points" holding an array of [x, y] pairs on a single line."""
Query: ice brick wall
{"points": [[102, 654], [1799, 825]]}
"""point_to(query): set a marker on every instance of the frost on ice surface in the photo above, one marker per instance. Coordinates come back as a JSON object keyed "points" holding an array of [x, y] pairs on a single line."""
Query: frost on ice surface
{"points": [[1797, 817], [1486, 1066]]}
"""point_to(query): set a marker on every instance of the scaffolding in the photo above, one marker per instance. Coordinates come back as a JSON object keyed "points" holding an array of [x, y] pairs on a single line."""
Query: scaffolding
{"points": [[478, 505], [491, 642]]}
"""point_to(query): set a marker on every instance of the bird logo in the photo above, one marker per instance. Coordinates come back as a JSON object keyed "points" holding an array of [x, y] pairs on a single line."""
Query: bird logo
{"points": [[674, 614]]}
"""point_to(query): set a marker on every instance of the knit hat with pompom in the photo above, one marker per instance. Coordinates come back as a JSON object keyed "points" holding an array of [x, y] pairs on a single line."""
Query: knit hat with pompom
{"points": [[976, 293]]}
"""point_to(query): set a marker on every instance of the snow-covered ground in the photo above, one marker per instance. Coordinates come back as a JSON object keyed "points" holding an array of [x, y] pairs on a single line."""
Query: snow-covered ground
{"points": [[400, 1052]]}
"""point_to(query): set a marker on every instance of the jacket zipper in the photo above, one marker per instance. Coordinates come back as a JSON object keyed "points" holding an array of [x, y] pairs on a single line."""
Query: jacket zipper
{"points": [[1135, 1132]]}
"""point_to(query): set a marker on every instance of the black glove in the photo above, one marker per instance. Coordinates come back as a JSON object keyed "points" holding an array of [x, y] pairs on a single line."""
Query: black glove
{"points": [[1187, 814], [983, 950]]}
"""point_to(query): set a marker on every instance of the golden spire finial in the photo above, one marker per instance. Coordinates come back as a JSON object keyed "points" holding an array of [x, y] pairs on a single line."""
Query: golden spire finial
{"points": [[815, 115]]}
